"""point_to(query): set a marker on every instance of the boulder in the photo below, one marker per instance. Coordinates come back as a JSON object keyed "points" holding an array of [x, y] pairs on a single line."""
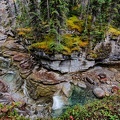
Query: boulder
{"points": [[90, 80], [102, 77], [58, 102], [40, 91], [66, 89], [81, 84], [46, 77], [43, 84], [20, 57], [115, 89], [107, 89], [99, 92]]}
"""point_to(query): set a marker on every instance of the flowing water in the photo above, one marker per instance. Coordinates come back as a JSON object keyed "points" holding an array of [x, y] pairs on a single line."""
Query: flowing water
{"points": [[57, 102], [79, 96]]}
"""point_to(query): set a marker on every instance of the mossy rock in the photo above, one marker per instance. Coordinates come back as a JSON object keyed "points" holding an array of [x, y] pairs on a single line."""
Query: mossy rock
{"points": [[100, 53], [40, 91]]}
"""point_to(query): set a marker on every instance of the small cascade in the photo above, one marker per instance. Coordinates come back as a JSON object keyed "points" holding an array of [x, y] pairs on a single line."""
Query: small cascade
{"points": [[58, 106], [58, 102]]}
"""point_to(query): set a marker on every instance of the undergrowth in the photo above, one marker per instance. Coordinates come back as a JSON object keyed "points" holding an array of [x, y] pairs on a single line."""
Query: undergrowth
{"points": [[105, 109]]}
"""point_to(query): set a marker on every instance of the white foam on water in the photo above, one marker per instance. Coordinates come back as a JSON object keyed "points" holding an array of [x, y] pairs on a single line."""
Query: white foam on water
{"points": [[58, 102]]}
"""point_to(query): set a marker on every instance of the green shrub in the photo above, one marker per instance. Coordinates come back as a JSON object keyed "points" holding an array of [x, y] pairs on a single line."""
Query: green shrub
{"points": [[105, 109], [8, 112]]}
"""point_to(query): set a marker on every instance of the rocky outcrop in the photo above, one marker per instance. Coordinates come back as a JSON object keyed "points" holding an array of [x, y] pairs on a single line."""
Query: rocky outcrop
{"points": [[101, 51], [7, 18], [45, 77], [63, 63], [107, 52], [104, 52], [114, 56], [42, 84], [24, 79]]}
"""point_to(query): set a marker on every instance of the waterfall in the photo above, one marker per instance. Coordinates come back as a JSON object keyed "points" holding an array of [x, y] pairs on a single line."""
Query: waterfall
{"points": [[58, 102]]}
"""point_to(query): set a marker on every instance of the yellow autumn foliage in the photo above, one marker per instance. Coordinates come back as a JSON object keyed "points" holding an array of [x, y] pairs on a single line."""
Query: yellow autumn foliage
{"points": [[74, 23], [21, 33], [83, 44], [77, 48], [41, 45], [66, 51], [45, 47], [24, 29], [74, 42], [24, 32], [68, 44], [114, 31]]}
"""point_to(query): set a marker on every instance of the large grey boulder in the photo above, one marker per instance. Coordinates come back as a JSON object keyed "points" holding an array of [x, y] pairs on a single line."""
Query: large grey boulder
{"points": [[99, 92]]}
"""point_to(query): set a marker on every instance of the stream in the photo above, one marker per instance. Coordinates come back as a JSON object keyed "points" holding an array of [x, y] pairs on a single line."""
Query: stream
{"points": [[44, 93], [17, 91], [16, 87], [79, 96]]}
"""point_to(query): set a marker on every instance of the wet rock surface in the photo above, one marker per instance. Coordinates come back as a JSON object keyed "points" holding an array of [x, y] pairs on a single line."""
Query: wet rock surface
{"points": [[101, 81], [100, 93], [38, 88]]}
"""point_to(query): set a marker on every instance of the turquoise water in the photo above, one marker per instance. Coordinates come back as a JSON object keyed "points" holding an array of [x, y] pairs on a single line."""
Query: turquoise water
{"points": [[79, 96]]}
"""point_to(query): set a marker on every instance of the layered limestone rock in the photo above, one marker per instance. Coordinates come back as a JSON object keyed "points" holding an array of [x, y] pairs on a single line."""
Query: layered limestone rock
{"points": [[42, 84], [107, 52], [63, 63], [45, 86]]}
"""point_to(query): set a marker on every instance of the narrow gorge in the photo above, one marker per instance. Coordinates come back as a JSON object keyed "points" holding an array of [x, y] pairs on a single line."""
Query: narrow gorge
{"points": [[45, 82]]}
